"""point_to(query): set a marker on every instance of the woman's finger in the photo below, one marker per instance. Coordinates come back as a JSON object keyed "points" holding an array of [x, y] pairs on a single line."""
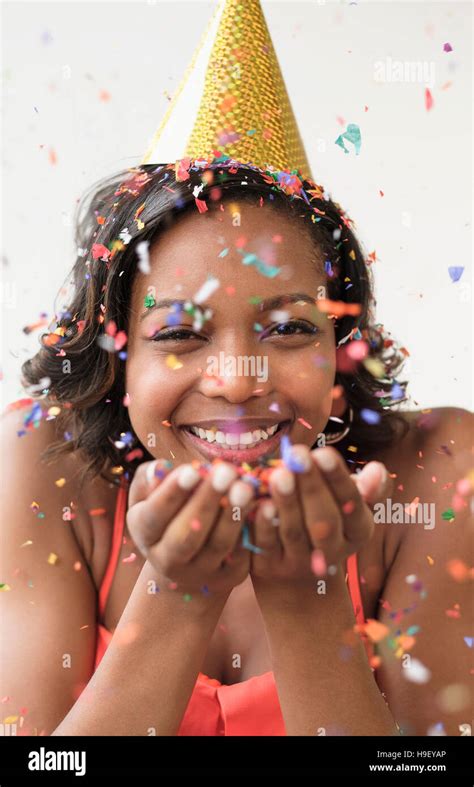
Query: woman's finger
{"points": [[321, 513], [148, 519], [266, 529], [356, 516], [188, 532], [147, 477], [228, 530], [293, 535], [373, 482]]}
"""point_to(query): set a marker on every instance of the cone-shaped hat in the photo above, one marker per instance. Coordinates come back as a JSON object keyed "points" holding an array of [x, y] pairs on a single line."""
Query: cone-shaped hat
{"points": [[232, 99]]}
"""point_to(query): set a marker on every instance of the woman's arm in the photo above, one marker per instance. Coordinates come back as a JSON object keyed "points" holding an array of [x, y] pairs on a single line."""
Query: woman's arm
{"points": [[146, 677], [48, 617], [323, 678]]}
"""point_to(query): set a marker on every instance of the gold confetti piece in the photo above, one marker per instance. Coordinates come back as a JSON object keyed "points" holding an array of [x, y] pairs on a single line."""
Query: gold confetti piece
{"points": [[352, 448], [430, 560], [173, 363], [52, 559], [10, 719], [118, 470], [53, 411], [26, 544], [60, 482], [374, 367]]}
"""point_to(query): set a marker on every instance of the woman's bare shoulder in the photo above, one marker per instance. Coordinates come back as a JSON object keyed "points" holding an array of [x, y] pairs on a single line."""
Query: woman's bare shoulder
{"points": [[89, 502]]}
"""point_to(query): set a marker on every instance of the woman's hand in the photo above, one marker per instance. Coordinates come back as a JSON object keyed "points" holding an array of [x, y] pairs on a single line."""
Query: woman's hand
{"points": [[316, 517], [179, 524]]}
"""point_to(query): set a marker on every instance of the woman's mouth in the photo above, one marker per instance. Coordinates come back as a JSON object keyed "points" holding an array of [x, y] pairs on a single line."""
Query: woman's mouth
{"points": [[234, 446]]}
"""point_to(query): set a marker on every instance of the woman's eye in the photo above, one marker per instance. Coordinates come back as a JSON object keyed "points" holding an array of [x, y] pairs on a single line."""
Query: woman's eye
{"points": [[175, 335], [291, 328]]}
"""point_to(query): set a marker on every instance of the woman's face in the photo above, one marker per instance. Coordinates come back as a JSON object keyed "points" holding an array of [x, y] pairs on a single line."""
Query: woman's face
{"points": [[258, 368]]}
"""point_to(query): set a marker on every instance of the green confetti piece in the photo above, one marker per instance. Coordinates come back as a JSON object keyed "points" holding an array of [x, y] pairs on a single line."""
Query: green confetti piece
{"points": [[255, 300], [149, 301], [223, 253], [257, 327], [448, 514], [187, 597]]}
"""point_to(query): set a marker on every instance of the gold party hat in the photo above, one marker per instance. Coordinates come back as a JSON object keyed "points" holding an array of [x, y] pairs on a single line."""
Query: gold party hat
{"points": [[232, 99]]}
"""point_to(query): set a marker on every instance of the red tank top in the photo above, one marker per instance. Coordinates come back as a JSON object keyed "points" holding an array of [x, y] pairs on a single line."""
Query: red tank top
{"points": [[248, 708]]}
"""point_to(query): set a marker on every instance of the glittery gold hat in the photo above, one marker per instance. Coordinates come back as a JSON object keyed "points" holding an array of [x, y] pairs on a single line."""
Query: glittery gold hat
{"points": [[232, 99]]}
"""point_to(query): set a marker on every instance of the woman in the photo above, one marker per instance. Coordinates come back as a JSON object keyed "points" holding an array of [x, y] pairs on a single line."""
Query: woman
{"points": [[223, 575]]}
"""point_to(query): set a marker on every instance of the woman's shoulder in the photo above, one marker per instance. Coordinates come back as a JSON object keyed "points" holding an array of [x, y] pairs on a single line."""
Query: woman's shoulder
{"points": [[87, 503]]}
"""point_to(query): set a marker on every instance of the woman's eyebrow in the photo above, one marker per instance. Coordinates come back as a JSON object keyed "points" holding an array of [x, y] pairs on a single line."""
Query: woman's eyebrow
{"points": [[267, 304]]}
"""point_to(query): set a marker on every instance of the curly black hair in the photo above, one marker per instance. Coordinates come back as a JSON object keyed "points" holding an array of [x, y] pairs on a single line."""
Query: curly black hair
{"points": [[137, 205]]}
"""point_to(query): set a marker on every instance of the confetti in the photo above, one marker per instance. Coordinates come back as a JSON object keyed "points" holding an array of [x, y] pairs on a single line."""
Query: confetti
{"points": [[130, 559], [455, 272], [149, 301], [338, 308], [318, 563], [207, 289], [448, 515], [60, 482], [370, 416], [416, 672], [246, 542], [304, 423], [100, 252], [270, 271], [173, 363], [351, 134], [447, 47], [428, 99], [143, 256], [52, 558]]}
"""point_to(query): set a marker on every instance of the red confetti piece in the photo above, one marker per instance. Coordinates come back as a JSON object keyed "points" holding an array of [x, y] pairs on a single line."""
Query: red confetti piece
{"points": [[304, 423], [428, 99], [201, 205], [100, 251], [195, 525], [130, 559], [137, 453], [97, 511], [348, 507]]}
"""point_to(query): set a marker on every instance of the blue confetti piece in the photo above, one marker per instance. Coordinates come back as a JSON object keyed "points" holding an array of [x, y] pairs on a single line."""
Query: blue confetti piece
{"points": [[291, 461], [328, 268], [35, 415], [397, 391], [246, 542], [223, 253], [469, 641], [369, 416], [270, 271], [455, 272]]}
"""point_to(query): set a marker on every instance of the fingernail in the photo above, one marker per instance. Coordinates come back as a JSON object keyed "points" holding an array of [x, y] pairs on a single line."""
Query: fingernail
{"points": [[326, 460], [222, 477], [300, 459], [283, 480], [150, 471], [269, 509], [240, 494], [188, 477]]}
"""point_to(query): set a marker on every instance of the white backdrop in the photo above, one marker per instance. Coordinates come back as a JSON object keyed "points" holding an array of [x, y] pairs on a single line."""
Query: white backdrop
{"points": [[85, 85]]}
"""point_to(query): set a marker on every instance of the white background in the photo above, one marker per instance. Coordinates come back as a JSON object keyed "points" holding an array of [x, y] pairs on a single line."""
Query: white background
{"points": [[59, 58]]}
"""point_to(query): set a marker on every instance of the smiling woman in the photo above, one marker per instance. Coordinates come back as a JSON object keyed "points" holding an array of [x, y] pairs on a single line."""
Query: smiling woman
{"points": [[217, 414]]}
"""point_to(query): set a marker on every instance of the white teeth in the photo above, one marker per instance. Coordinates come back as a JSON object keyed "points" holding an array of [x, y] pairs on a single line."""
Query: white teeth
{"points": [[232, 439]]}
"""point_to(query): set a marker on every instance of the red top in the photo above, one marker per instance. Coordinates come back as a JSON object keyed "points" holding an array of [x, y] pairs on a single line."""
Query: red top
{"points": [[248, 708]]}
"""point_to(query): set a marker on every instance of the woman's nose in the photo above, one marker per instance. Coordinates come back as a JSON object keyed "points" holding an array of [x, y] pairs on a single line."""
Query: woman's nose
{"points": [[235, 372]]}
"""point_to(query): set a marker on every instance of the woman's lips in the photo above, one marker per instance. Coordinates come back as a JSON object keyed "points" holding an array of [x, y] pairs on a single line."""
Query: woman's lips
{"points": [[217, 451]]}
